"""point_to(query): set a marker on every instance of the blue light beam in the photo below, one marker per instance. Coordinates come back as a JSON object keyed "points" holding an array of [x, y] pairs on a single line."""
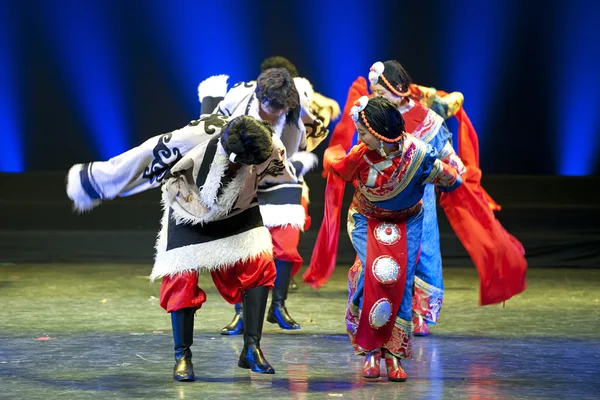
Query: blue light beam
{"points": [[86, 50], [479, 33], [200, 39], [344, 46], [577, 85], [11, 159]]}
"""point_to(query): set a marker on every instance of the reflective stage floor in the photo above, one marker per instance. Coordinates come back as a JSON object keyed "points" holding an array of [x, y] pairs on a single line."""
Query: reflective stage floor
{"points": [[97, 332]]}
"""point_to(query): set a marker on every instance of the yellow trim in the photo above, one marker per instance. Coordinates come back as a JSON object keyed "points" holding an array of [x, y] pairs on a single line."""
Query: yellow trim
{"points": [[403, 324], [430, 289], [351, 222], [435, 170]]}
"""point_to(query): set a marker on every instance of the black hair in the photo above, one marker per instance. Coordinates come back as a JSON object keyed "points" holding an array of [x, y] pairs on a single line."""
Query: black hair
{"points": [[276, 87], [279, 62], [383, 116], [251, 140], [396, 75]]}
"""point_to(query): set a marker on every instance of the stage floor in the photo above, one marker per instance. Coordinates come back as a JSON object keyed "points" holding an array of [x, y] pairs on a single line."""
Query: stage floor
{"points": [[96, 331]]}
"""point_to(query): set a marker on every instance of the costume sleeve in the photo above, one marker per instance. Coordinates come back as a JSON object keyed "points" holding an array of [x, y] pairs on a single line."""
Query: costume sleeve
{"points": [[438, 173], [322, 111], [303, 162], [211, 92], [234, 97], [325, 108], [346, 166], [449, 156], [141, 168]]}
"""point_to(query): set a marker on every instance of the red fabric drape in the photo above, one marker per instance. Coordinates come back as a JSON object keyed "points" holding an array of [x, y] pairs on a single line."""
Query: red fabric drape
{"points": [[322, 262], [367, 336], [324, 256], [468, 151], [497, 255]]}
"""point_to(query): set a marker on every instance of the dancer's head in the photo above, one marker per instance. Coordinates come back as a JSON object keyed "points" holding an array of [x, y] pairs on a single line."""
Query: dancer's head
{"points": [[247, 140], [277, 94], [279, 62], [378, 121], [390, 80]]}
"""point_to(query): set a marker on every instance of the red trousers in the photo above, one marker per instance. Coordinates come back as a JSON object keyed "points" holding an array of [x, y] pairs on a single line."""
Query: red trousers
{"points": [[285, 245], [182, 290]]}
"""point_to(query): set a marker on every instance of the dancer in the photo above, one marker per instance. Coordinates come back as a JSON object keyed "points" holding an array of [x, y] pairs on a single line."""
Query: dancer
{"points": [[208, 171], [390, 80], [274, 98], [390, 168], [498, 256]]}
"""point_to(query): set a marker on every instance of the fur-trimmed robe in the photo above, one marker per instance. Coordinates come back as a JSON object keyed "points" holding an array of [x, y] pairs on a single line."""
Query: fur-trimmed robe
{"points": [[211, 220], [279, 196]]}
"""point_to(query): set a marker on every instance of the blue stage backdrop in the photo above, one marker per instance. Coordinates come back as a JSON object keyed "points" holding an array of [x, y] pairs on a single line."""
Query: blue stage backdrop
{"points": [[86, 80]]}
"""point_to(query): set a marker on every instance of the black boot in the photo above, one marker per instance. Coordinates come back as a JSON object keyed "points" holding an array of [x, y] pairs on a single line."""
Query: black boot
{"points": [[183, 335], [278, 314], [236, 326], [255, 303]]}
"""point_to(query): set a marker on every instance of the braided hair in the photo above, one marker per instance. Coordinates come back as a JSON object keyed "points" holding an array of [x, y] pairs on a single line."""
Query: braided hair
{"points": [[251, 140], [382, 118]]}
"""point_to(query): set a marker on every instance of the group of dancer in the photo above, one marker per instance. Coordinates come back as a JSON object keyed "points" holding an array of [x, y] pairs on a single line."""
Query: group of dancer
{"points": [[235, 203]]}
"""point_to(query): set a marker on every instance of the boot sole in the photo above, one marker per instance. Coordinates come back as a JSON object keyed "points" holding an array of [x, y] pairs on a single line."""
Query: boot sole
{"points": [[287, 328], [245, 365], [397, 380], [184, 379], [228, 333]]}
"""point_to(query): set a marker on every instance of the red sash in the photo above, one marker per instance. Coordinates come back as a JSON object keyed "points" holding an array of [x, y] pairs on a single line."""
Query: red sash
{"points": [[377, 290]]}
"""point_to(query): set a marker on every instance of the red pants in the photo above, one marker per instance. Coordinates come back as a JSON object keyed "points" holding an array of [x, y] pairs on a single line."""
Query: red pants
{"points": [[182, 290], [285, 245]]}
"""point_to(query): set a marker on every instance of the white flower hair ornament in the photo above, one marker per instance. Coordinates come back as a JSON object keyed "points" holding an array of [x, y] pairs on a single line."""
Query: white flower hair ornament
{"points": [[358, 106], [375, 72]]}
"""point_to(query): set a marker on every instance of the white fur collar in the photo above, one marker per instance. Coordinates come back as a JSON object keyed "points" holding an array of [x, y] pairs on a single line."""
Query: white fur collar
{"points": [[199, 206]]}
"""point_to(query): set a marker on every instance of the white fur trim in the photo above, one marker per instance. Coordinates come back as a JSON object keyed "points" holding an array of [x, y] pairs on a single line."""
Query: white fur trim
{"points": [[208, 191], [215, 86], [220, 253], [282, 215], [308, 160], [305, 90], [81, 201]]}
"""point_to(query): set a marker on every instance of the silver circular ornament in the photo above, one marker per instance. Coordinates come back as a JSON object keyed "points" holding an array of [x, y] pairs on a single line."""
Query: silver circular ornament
{"points": [[386, 270], [380, 313], [387, 233]]}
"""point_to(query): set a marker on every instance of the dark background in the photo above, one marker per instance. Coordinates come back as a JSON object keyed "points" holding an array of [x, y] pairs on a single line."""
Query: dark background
{"points": [[87, 80]]}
